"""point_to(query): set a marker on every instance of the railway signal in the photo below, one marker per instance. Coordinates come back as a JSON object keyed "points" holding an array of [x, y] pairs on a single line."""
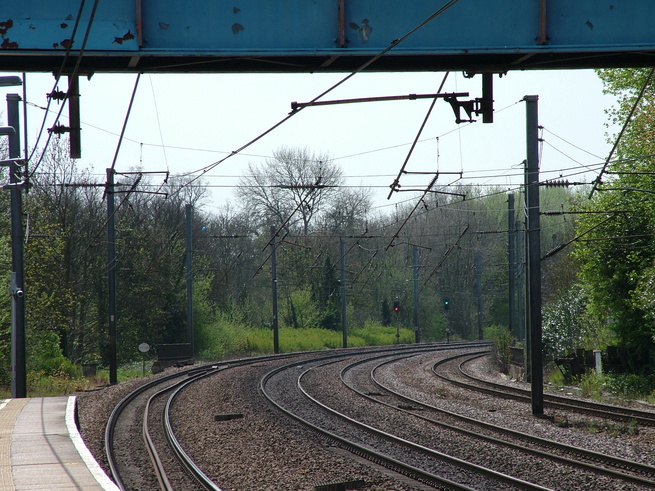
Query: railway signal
{"points": [[446, 304], [396, 304]]}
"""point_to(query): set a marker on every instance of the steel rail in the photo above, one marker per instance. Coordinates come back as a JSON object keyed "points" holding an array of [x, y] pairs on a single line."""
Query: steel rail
{"points": [[596, 457], [604, 411], [352, 447], [117, 411], [115, 416], [644, 417], [177, 448], [403, 467], [157, 464]]}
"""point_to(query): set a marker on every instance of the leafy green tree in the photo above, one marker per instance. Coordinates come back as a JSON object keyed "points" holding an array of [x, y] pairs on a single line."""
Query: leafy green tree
{"points": [[5, 302], [329, 297], [565, 325], [386, 313], [65, 217], [618, 253]]}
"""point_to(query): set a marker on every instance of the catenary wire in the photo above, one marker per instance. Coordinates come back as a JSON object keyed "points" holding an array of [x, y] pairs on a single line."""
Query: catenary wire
{"points": [[363, 67], [73, 74]]}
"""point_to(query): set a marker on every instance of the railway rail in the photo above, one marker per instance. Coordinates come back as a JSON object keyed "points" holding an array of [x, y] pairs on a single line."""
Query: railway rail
{"points": [[590, 408], [157, 394], [153, 402], [157, 459], [617, 468], [401, 454], [362, 401]]}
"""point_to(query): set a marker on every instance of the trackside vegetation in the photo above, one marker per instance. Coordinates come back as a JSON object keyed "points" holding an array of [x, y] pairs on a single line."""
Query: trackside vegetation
{"points": [[436, 265]]}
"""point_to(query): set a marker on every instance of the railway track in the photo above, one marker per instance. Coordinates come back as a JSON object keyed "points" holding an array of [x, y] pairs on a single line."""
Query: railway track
{"points": [[140, 443], [344, 397], [144, 413], [368, 385], [598, 410], [141, 447], [399, 453]]}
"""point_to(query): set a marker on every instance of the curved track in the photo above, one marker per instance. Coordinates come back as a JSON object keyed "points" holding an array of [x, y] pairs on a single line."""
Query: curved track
{"points": [[606, 411], [616, 468], [345, 397], [400, 453], [152, 401], [140, 444]]}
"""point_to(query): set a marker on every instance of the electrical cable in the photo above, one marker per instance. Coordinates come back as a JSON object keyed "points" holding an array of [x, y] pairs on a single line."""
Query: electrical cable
{"points": [[127, 116], [623, 128], [572, 144], [361, 68], [73, 74], [396, 183], [161, 135]]}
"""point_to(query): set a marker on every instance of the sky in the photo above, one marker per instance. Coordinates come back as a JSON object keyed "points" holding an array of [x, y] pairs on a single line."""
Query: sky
{"points": [[186, 122]]}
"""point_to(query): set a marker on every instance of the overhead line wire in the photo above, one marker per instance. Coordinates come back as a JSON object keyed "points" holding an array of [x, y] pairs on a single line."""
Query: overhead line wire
{"points": [[623, 128], [58, 76], [361, 68], [395, 183], [73, 74]]}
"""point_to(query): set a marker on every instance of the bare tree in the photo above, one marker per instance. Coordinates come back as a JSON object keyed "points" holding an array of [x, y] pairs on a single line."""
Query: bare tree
{"points": [[292, 188], [349, 213]]}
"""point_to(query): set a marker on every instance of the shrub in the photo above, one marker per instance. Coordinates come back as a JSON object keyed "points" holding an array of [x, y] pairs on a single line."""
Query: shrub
{"points": [[503, 340]]}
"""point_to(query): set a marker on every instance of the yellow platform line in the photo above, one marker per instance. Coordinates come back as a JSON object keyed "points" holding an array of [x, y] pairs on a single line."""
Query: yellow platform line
{"points": [[9, 411]]}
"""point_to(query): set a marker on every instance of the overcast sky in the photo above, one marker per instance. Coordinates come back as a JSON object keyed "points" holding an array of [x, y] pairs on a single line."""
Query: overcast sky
{"points": [[183, 123]]}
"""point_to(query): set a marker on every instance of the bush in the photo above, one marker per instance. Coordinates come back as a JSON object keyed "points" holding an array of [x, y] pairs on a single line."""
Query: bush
{"points": [[503, 340], [630, 384], [40, 384], [592, 385]]}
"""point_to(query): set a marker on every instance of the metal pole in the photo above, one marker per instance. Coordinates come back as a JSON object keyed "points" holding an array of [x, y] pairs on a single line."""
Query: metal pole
{"points": [[478, 292], [25, 141], [417, 332], [534, 248], [276, 333], [519, 283], [18, 359], [188, 209], [511, 260], [74, 138], [111, 277], [344, 323]]}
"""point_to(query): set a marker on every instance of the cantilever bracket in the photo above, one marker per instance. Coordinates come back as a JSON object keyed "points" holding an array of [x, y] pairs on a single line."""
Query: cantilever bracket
{"points": [[472, 106]]}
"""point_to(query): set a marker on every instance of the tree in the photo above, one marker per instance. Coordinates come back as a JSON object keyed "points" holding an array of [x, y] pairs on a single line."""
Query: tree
{"points": [[386, 313], [328, 297], [618, 253], [347, 215], [292, 188]]}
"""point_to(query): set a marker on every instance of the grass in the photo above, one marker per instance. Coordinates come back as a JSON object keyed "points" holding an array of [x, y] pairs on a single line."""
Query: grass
{"points": [[221, 340], [226, 338]]}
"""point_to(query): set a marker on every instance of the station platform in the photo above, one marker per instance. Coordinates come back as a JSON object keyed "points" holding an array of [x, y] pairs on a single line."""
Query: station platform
{"points": [[41, 448]]}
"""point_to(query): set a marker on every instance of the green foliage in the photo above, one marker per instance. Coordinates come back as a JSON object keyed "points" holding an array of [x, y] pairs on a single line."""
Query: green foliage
{"points": [[591, 385], [630, 385], [386, 313], [55, 384], [227, 334], [230, 336], [503, 341], [44, 355], [567, 326], [617, 261], [301, 311], [375, 334], [328, 297]]}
